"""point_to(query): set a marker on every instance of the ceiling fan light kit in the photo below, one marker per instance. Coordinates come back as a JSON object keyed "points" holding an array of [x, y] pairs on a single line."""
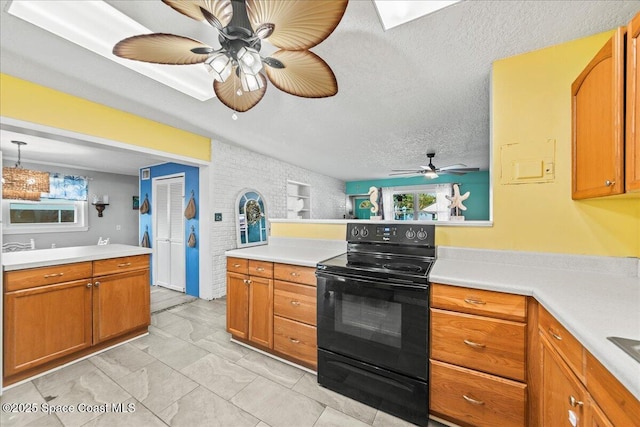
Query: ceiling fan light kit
{"points": [[292, 26]]}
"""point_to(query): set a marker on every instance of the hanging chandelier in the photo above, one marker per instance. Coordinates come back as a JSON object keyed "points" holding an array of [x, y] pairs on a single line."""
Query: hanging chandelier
{"points": [[23, 184]]}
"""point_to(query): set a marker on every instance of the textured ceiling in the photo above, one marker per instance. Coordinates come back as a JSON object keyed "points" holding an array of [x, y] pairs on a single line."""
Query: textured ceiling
{"points": [[421, 86]]}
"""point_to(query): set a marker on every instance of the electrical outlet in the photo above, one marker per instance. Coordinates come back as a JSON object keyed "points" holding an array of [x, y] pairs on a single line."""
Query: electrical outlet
{"points": [[217, 216], [118, 227]]}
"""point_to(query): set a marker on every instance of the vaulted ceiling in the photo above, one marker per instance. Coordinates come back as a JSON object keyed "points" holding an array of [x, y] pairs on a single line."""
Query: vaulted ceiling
{"points": [[422, 86]]}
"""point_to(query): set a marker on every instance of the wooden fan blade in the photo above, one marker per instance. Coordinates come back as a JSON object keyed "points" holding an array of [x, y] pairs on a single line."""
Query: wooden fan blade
{"points": [[299, 24], [222, 10], [304, 74], [227, 93], [161, 48]]}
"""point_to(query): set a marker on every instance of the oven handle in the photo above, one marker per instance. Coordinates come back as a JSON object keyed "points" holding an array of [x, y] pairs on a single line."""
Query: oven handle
{"points": [[395, 284]]}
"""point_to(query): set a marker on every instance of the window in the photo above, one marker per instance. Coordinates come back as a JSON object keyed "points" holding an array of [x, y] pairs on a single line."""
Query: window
{"points": [[22, 216], [64, 208], [418, 203]]}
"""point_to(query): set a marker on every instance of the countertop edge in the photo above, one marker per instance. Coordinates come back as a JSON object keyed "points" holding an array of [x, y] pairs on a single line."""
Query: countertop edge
{"points": [[13, 261]]}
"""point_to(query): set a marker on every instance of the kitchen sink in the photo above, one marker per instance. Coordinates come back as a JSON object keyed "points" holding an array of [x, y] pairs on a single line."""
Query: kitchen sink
{"points": [[631, 347]]}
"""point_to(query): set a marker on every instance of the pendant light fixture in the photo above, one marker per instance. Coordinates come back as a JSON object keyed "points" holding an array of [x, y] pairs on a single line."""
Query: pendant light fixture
{"points": [[23, 184]]}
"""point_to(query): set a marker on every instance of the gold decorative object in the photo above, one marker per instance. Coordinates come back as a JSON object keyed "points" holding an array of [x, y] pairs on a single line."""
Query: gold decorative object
{"points": [[21, 183]]}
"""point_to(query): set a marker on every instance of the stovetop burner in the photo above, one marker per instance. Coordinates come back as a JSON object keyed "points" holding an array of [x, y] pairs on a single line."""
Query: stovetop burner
{"points": [[401, 252]]}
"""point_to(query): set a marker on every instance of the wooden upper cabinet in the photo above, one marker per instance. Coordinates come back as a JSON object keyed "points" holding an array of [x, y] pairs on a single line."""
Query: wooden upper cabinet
{"points": [[598, 122], [632, 179]]}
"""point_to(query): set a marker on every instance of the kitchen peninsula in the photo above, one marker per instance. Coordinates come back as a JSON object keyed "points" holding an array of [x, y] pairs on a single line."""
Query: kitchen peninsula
{"points": [[65, 303]]}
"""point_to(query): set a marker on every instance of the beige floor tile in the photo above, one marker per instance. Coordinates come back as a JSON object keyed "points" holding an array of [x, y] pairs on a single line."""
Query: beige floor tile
{"points": [[24, 406], [121, 361], [220, 343], [131, 414], [157, 385], [201, 407], [277, 405], [219, 375], [308, 385], [332, 418], [271, 368]]}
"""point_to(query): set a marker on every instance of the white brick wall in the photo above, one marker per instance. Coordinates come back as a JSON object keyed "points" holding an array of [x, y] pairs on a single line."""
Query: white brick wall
{"points": [[234, 169]]}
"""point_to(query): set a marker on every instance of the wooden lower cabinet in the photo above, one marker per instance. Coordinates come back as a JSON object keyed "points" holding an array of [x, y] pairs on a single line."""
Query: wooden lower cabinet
{"points": [[277, 316], [473, 398], [563, 396], [44, 323], [114, 292], [250, 308], [54, 320], [478, 369]]}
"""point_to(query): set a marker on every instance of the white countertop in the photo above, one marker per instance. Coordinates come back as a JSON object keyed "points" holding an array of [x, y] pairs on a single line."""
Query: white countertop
{"points": [[305, 252], [593, 297], [46, 257]]}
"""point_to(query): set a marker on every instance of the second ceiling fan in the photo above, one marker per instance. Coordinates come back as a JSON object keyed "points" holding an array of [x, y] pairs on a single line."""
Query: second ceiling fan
{"points": [[431, 171]]}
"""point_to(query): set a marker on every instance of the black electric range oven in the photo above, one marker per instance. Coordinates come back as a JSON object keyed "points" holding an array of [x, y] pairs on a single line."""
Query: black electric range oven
{"points": [[373, 318]]}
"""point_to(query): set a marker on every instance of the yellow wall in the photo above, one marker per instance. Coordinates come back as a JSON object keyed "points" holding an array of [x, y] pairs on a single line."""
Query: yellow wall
{"points": [[532, 104], [23, 100], [309, 231]]}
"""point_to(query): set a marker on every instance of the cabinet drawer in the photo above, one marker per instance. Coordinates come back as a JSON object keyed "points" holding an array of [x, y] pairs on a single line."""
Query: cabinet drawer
{"points": [[238, 265], [295, 302], [119, 265], [490, 345], [296, 340], [474, 398], [260, 268], [562, 341], [295, 273], [32, 277], [475, 301]]}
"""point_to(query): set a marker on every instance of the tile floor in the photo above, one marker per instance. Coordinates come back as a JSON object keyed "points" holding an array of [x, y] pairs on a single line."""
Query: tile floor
{"points": [[186, 372]]}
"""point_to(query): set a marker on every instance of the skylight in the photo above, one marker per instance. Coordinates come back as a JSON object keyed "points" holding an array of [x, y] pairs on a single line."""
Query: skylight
{"points": [[397, 12], [97, 26]]}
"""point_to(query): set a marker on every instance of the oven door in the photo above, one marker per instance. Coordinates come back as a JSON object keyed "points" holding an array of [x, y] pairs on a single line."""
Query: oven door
{"points": [[381, 323]]}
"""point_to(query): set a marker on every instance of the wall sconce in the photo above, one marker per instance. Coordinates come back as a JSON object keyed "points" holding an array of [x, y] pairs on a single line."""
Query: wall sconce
{"points": [[100, 202]]}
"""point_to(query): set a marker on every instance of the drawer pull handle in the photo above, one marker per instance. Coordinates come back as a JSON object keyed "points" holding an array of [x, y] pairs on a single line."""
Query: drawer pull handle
{"points": [[294, 274], [553, 334], [295, 302], [474, 344], [48, 276], [474, 301], [124, 264], [236, 265], [575, 402], [260, 269], [295, 341], [473, 401]]}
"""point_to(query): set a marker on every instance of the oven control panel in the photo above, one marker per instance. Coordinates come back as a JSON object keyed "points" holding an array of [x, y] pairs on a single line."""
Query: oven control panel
{"points": [[419, 234]]}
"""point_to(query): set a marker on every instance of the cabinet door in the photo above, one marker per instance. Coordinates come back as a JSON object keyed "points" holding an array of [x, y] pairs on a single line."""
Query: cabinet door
{"points": [[598, 123], [120, 304], [45, 323], [596, 417], [261, 311], [563, 397], [238, 305], [632, 143]]}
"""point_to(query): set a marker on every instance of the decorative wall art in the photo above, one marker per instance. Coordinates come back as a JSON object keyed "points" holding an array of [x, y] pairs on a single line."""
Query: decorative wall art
{"points": [[252, 218], [456, 203]]}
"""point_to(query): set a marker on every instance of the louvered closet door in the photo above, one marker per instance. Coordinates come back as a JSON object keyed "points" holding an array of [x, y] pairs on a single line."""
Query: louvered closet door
{"points": [[169, 260]]}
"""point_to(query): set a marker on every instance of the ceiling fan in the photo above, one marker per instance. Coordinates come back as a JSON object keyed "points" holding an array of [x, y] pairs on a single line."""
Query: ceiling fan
{"points": [[430, 171], [237, 67]]}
